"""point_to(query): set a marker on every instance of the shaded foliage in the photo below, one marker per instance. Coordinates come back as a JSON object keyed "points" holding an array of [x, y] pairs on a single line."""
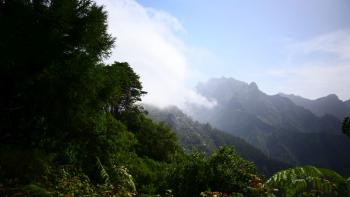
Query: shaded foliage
{"points": [[223, 171], [67, 118], [346, 126], [50, 53]]}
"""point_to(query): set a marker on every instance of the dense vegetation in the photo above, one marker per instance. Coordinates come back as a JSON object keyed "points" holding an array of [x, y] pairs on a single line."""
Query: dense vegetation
{"points": [[203, 137], [346, 126], [69, 123], [71, 126], [309, 181]]}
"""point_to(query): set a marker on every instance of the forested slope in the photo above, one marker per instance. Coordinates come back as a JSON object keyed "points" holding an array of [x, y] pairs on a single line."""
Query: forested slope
{"points": [[193, 135]]}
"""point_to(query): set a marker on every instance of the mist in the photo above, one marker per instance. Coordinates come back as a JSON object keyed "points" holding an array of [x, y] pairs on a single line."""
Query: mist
{"points": [[160, 49], [149, 40]]}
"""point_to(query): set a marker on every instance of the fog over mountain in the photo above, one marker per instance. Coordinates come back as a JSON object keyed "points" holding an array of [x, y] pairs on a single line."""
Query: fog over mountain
{"points": [[179, 51], [240, 102], [274, 124]]}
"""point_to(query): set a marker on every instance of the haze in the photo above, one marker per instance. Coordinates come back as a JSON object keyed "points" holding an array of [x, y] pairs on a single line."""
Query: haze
{"points": [[292, 46]]}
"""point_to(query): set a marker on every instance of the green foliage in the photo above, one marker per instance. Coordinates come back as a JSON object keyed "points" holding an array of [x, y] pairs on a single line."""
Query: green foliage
{"points": [[18, 165], [123, 181], [35, 190], [103, 172], [189, 177], [223, 171], [192, 134], [307, 181], [125, 87], [69, 181], [155, 141], [229, 172], [346, 126], [67, 120], [48, 76]]}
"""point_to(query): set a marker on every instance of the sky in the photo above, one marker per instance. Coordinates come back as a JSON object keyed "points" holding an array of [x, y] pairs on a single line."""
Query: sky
{"points": [[290, 46]]}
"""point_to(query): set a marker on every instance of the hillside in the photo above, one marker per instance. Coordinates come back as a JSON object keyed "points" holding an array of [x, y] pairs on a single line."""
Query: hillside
{"points": [[194, 135], [274, 124]]}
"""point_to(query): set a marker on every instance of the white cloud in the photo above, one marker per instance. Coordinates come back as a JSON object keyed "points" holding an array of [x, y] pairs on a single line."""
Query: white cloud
{"points": [[148, 39], [323, 67]]}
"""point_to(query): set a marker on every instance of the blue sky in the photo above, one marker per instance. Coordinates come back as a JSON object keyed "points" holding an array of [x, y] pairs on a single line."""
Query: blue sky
{"points": [[291, 46]]}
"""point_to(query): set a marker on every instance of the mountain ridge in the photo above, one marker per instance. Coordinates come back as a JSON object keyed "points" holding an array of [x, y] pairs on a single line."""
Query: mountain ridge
{"points": [[329, 104], [272, 123]]}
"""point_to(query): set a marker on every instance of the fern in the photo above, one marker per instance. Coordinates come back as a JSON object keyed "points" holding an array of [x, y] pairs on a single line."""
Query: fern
{"points": [[301, 180], [124, 181], [103, 172], [119, 180]]}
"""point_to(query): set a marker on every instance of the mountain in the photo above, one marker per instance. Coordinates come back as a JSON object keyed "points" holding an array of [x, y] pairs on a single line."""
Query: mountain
{"points": [[244, 105], [330, 104], [194, 135], [347, 103], [274, 124]]}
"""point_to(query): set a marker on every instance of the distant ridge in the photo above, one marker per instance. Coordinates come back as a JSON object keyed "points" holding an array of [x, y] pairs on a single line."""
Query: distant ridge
{"points": [[330, 104], [275, 124]]}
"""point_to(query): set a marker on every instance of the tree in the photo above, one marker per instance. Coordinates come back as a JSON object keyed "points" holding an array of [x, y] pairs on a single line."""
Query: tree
{"points": [[50, 53], [51, 79], [69, 123], [346, 126], [223, 171], [229, 172], [155, 141], [189, 177], [124, 83]]}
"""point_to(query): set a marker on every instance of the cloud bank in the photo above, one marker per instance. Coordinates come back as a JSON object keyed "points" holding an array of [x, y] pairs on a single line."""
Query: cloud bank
{"points": [[149, 40], [317, 66]]}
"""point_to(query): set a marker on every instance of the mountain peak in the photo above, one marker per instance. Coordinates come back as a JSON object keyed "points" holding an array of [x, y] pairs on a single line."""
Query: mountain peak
{"points": [[253, 85], [331, 97], [224, 89]]}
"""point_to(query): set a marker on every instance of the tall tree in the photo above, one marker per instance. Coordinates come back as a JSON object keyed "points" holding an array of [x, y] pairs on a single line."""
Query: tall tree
{"points": [[51, 80], [50, 54], [61, 106]]}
